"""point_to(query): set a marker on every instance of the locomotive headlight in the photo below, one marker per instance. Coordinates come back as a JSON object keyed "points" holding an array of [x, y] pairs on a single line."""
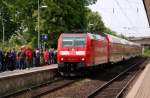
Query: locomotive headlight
{"points": [[82, 59], [64, 52], [62, 59]]}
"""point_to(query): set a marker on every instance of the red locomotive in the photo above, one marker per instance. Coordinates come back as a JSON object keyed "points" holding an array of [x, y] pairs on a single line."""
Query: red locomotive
{"points": [[78, 52]]}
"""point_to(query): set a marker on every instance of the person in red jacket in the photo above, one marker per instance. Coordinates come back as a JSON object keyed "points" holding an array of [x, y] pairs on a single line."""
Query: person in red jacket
{"points": [[46, 56], [28, 54]]}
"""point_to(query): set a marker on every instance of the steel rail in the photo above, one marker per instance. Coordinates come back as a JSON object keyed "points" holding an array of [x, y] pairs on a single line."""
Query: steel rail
{"points": [[123, 89], [29, 88], [97, 90], [135, 74], [41, 93], [54, 89]]}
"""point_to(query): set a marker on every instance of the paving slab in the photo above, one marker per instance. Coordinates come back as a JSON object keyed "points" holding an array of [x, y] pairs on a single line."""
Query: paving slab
{"points": [[141, 88]]}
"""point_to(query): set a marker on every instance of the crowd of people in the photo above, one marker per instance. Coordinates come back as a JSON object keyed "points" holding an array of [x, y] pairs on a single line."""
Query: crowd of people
{"points": [[26, 58]]}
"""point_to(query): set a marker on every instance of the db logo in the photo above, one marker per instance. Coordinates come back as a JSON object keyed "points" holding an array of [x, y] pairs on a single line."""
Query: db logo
{"points": [[72, 52]]}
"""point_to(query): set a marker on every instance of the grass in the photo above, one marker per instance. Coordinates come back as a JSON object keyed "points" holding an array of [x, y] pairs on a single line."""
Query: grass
{"points": [[147, 52]]}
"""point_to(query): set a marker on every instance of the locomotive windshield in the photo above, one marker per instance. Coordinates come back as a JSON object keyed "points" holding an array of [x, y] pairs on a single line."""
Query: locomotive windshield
{"points": [[73, 41]]}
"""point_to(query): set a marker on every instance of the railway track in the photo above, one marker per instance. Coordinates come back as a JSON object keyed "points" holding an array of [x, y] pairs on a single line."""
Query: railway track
{"points": [[98, 79], [116, 86], [52, 87], [41, 89]]}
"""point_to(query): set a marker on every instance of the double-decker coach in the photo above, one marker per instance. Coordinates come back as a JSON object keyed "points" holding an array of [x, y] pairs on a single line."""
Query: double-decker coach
{"points": [[116, 48]]}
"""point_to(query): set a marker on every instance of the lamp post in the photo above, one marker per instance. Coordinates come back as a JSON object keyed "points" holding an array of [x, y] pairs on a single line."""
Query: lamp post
{"points": [[39, 21], [3, 30], [3, 27]]}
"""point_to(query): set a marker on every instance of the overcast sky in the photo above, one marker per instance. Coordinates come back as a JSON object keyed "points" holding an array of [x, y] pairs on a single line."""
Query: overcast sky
{"points": [[124, 16]]}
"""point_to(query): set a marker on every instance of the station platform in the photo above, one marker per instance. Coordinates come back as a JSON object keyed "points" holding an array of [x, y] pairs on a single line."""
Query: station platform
{"points": [[27, 70], [13, 81], [141, 88]]}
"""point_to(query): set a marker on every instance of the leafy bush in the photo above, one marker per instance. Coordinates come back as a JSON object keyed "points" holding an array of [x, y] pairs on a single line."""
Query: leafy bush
{"points": [[147, 51]]}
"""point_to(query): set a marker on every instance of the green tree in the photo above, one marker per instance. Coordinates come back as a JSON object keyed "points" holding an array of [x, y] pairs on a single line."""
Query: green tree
{"points": [[6, 21], [94, 21], [60, 16]]}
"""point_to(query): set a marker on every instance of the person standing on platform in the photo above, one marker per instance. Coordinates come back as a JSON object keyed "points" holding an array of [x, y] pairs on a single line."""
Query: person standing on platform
{"points": [[30, 57], [4, 61], [1, 59], [7, 61], [51, 56], [34, 58], [28, 54], [55, 56], [46, 56], [13, 53], [11, 62], [49, 61], [37, 53], [42, 57], [22, 59], [17, 60], [9, 65]]}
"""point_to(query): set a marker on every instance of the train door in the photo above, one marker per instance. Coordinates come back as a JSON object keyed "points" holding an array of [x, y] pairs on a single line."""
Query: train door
{"points": [[93, 51]]}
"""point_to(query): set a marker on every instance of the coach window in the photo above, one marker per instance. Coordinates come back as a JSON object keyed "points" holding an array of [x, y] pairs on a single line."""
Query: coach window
{"points": [[67, 41], [73, 41], [79, 41]]}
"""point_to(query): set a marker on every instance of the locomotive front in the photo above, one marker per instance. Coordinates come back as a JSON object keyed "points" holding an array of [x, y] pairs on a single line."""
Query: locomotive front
{"points": [[71, 55]]}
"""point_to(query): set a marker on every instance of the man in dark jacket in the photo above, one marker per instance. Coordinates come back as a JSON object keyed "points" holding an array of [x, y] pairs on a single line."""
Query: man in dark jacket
{"points": [[51, 56], [34, 58], [37, 53], [21, 56], [1, 59], [13, 53]]}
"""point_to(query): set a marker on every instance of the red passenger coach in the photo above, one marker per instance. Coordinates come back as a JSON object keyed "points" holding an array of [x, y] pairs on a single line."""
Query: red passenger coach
{"points": [[81, 51]]}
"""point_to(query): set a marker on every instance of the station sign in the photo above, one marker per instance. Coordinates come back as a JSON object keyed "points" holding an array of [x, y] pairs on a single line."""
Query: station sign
{"points": [[44, 37]]}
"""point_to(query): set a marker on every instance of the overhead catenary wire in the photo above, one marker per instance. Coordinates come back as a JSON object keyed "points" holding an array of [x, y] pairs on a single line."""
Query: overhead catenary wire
{"points": [[126, 15], [128, 19], [136, 12], [121, 9]]}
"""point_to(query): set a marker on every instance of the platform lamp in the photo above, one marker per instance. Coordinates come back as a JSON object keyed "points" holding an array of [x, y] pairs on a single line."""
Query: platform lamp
{"points": [[3, 26], [44, 6]]}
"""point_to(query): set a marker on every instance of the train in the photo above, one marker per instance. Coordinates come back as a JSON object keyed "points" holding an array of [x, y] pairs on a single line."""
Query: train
{"points": [[81, 51]]}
